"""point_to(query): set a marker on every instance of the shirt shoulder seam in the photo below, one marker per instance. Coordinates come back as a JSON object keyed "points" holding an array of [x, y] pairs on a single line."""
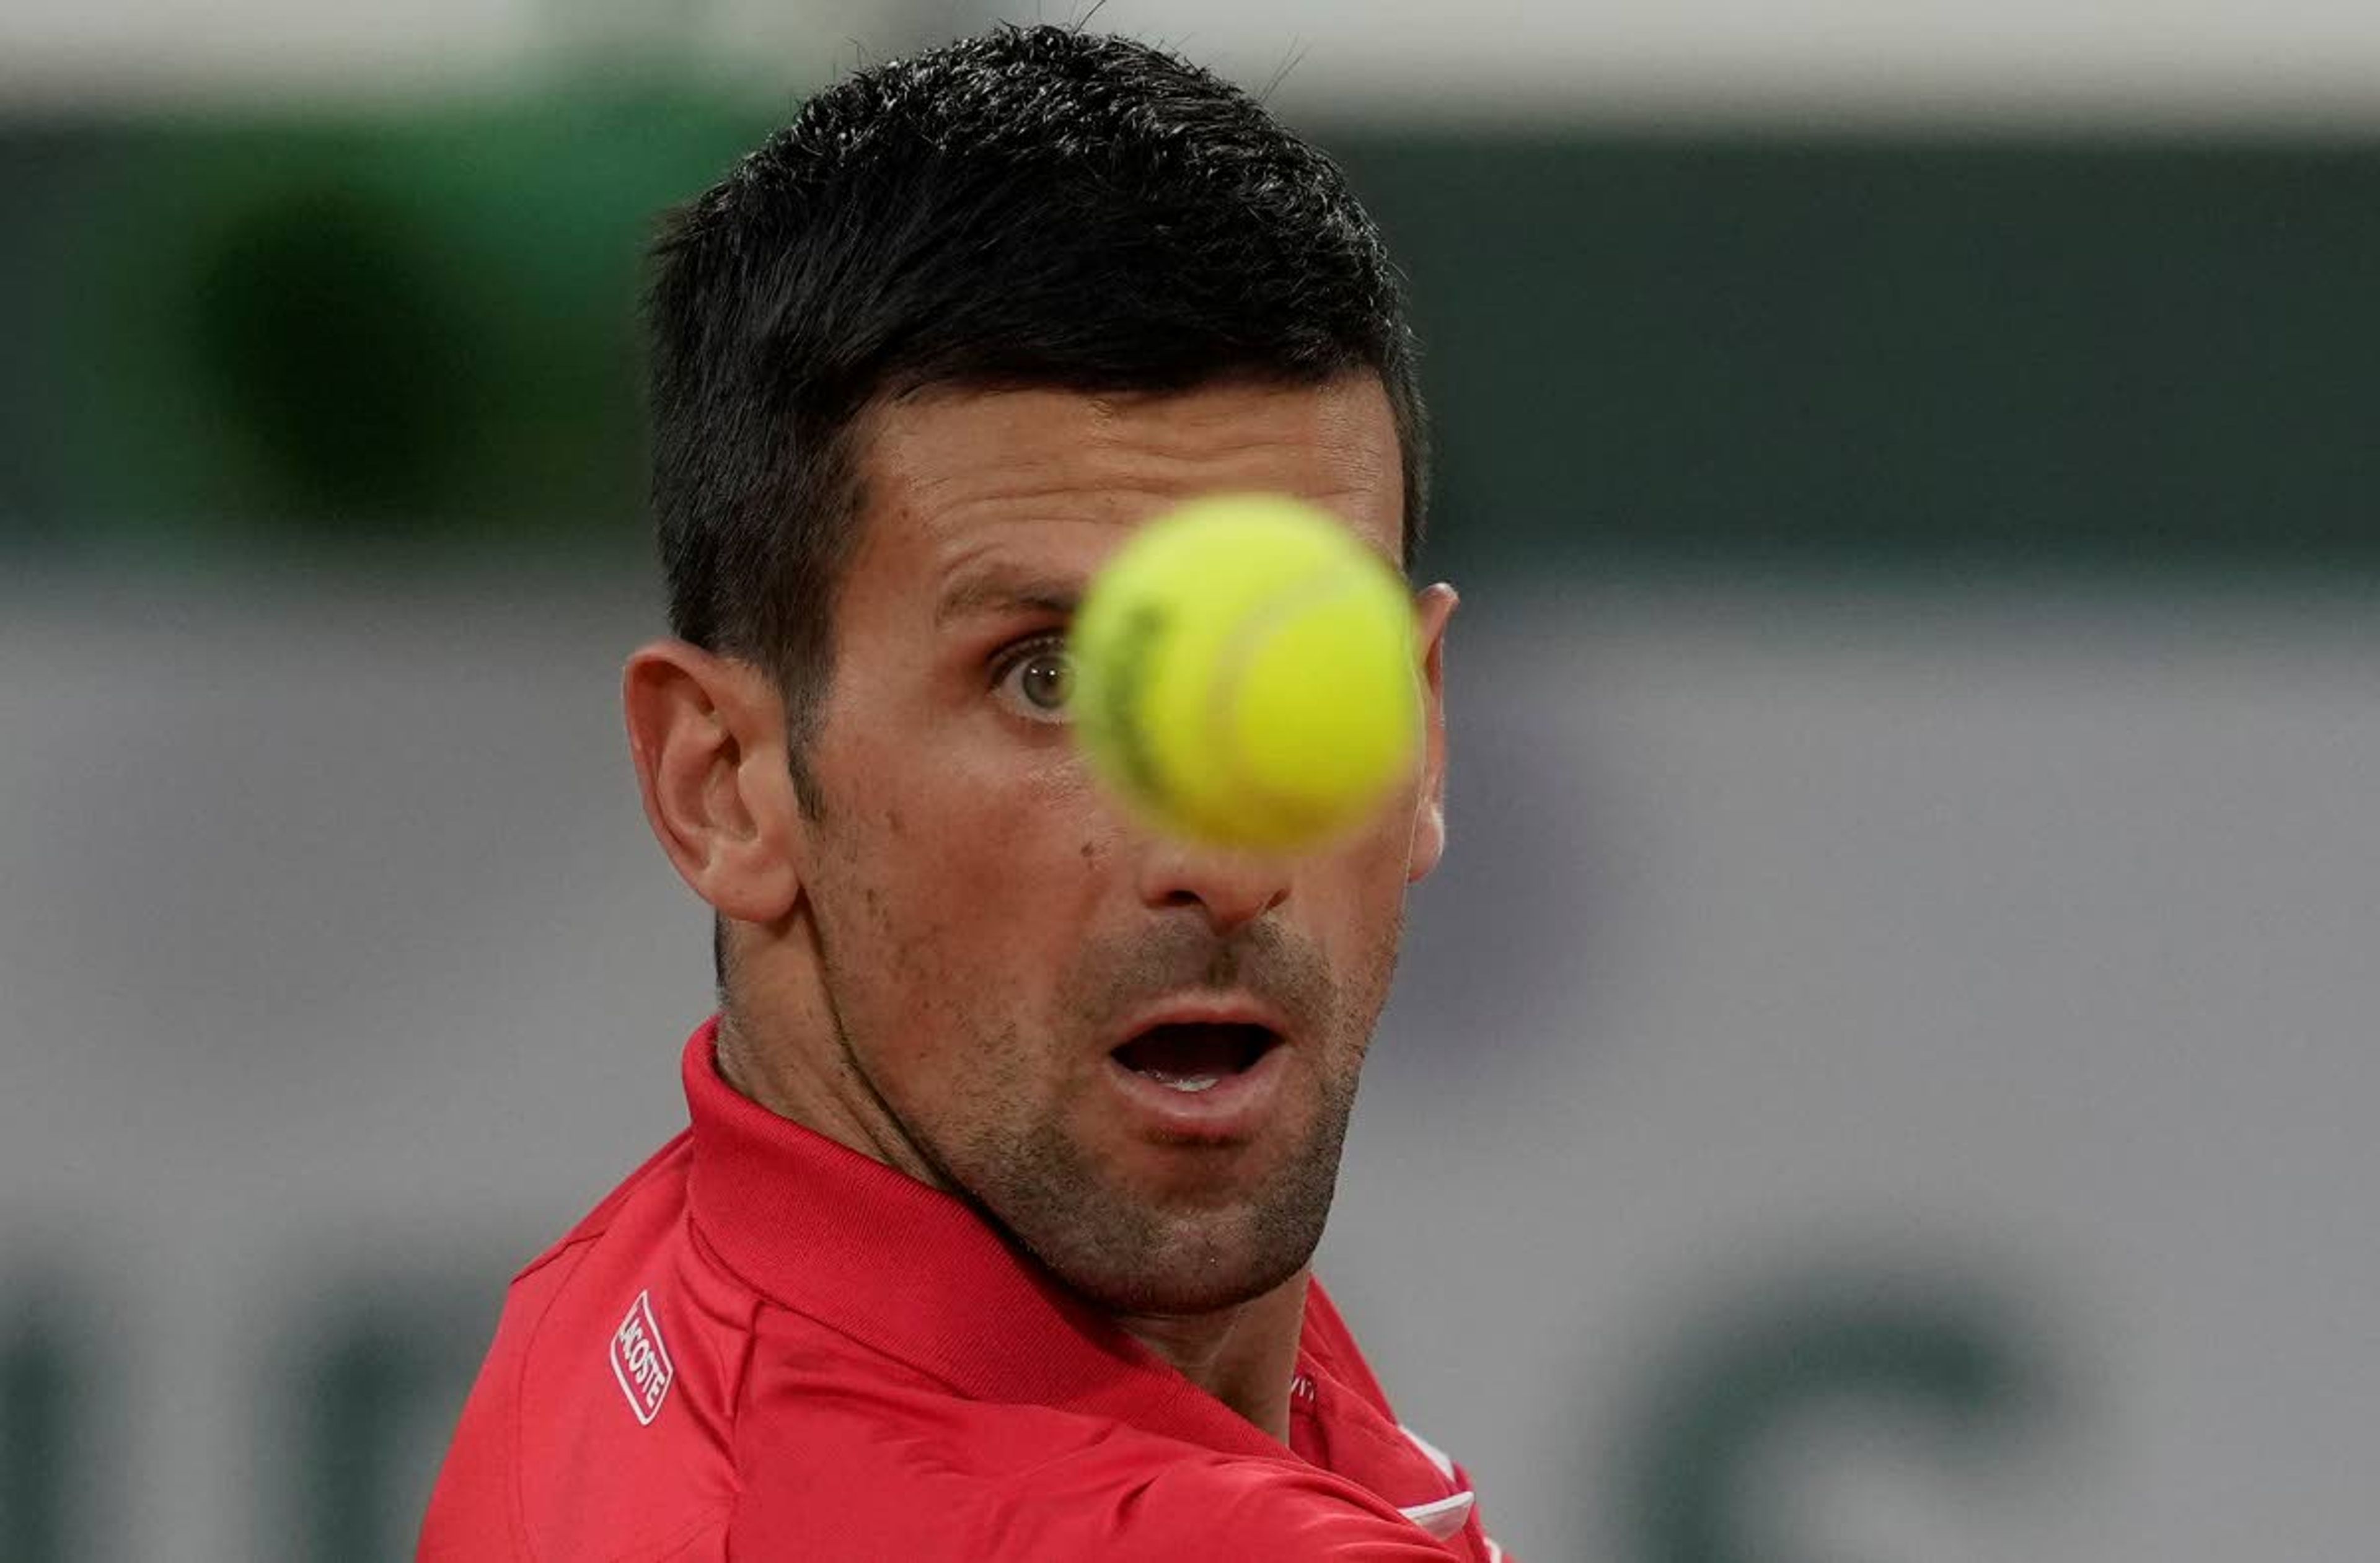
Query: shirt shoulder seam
{"points": [[598, 1221], [740, 1371], [518, 1509]]}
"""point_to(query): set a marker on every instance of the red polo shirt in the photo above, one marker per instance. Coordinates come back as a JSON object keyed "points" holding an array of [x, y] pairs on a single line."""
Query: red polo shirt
{"points": [[765, 1346]]}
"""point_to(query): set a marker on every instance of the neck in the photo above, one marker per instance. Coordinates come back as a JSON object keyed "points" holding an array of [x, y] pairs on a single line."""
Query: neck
{"points": [[817, 1087], [1243, 1356]]}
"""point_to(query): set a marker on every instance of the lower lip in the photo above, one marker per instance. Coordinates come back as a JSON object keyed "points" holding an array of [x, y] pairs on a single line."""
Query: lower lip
{"points": [[1233, 1108]]}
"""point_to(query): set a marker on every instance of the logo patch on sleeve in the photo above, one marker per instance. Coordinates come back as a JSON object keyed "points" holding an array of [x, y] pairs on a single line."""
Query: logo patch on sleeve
{"points": [[640, 1362]]}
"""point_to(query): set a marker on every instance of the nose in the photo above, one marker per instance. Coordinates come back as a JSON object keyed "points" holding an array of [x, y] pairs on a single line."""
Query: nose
{"points": [[1232, 889]]}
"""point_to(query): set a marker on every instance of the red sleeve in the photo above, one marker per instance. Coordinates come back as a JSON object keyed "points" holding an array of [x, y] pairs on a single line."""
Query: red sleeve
{"points": [[474, 1510]]}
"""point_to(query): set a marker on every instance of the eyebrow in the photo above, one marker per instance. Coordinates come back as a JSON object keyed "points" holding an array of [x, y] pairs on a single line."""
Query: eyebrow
{"points": [[1006, 589]]}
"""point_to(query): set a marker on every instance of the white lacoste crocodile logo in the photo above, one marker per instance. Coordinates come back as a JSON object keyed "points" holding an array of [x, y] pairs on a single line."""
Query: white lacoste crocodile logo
{"points": [[639, 1359]]}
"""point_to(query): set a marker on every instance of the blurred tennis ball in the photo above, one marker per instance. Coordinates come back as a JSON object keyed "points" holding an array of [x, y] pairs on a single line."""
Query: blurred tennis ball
{"points": [[1245, 674]]}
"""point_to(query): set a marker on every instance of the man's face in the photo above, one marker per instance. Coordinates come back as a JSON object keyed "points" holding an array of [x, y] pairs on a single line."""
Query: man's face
{"points": [[1029, 984]]}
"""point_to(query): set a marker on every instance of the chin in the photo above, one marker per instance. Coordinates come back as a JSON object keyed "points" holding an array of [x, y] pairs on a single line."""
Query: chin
{"points": [[1178, 1246], [1178, 1290], [1191, 1263]]}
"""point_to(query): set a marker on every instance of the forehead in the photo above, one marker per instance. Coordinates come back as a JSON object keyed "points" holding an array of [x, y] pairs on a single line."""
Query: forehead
{"points": [[954, 478]]}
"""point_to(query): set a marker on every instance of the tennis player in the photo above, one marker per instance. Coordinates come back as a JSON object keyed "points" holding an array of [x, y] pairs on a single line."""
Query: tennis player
{"points": [[1014, 1135]]}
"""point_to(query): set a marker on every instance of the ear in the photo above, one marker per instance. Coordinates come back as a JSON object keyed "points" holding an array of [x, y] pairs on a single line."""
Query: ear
{"points": [[1433, 610], [707, 735]]}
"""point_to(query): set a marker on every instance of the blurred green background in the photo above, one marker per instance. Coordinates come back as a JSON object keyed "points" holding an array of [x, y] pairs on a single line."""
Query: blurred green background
{"points": [[418, 330]]}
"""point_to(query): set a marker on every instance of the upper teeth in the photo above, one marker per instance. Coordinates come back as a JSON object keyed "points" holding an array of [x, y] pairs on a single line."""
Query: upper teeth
{"points": [[1185, 1082]]}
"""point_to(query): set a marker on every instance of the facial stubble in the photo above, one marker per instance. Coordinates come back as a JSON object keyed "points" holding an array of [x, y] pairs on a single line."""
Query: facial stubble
{"points": [[1193, 1244]]}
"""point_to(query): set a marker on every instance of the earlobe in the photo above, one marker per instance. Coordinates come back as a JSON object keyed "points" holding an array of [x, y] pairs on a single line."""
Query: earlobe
{"points": [[707, 736], [1433, 610]]}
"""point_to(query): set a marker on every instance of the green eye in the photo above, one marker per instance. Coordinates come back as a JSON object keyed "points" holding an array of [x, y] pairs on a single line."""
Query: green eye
{"points": [[1039, 680], [1046, 680]]}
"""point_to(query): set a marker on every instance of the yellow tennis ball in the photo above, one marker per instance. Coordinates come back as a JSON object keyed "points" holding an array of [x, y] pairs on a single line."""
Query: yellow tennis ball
{"points": [[1244, 673]]}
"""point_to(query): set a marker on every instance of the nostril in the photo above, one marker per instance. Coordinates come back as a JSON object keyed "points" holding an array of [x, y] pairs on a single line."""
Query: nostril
{"points": [[1228, 889]]}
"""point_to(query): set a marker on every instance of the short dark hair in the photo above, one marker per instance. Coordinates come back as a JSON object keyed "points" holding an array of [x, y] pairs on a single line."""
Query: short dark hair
{"points": [[1036, 206]]}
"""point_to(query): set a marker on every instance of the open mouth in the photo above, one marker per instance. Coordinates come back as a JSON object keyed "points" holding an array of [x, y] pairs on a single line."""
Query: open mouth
{"points": [[1194, 1057]]}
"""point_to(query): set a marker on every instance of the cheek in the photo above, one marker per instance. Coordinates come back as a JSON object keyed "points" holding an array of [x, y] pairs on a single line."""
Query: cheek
{"points": [[1013, 836], [975, 881], [1381, 860], [1356, 897], [979, 895]]}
